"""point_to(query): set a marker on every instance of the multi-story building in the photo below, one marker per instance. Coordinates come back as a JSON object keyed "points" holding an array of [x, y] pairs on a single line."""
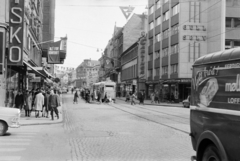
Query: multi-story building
{"points": [[87, 73], [179, 32]]}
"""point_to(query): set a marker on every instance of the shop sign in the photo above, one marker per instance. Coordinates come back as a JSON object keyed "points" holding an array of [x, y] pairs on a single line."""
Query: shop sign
{"points": [[53, 53], [141, 57], [2, 49], [16, 17]]}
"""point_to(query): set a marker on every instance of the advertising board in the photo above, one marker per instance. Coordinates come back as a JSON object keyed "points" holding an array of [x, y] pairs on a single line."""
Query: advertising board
{"points": [[217, 85]]}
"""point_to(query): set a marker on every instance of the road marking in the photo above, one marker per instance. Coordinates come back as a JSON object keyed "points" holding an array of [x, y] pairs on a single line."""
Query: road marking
{"points": [[10, 158], [11, 149], [14, 144]]}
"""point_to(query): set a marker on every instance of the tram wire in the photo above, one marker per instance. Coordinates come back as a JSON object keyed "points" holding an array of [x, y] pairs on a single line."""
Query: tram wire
{"points": [[185, 132]]}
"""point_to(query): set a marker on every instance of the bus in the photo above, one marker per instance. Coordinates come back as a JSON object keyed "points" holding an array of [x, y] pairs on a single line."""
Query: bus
{"points": [[108, 87], [215, 106]]}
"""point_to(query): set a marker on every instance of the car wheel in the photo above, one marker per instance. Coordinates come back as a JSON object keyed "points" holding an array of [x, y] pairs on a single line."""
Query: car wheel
{"points": [[211, 153], [3, 128]]}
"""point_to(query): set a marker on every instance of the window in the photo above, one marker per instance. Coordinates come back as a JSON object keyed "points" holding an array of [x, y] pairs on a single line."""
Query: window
{"points": [[236, 43], [165, 1], [175, 10], [165, 34], [228, 22], [165, 70], [151, 25], [166, 16], [165, 52], [150, 73], [158, 21], [151, 10], [157, 71], [175, 29], [175, 49], [158, 37], [150, 57], [236, 22], [158, 5], [157, 53], [174, 68], [150, 42]]}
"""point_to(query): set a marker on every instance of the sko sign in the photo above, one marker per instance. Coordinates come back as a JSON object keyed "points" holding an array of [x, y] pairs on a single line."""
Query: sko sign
{"points": [[16, 19]]}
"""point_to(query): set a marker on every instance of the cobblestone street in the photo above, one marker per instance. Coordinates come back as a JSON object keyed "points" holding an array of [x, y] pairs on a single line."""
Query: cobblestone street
{"points": [[124, 132]]}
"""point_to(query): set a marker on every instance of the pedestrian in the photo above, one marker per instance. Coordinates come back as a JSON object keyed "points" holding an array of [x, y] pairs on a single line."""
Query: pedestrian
{"points": [[127, 97], [39, 103], [46, 104], [133, 97], [75, 99], [152, 97], [19, 100], [28, 107], [140, 97], [72, 90], [156, 99], [53, 103]]}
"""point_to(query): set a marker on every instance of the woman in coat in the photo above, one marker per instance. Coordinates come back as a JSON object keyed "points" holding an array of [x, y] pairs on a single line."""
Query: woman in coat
{"points": [[28, 106], [39, 103]]}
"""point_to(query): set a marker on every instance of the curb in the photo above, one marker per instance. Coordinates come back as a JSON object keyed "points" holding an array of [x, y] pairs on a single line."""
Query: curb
{"points": [[169, 105], [45, 123]]}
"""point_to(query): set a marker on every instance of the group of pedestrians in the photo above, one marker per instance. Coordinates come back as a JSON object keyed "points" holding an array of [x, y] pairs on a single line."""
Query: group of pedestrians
{"points": [[38, 100], [132, 97]]}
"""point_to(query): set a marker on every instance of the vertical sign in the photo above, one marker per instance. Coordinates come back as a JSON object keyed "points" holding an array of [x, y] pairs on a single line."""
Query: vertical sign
{"points": [[2, 50], [16, 19]]}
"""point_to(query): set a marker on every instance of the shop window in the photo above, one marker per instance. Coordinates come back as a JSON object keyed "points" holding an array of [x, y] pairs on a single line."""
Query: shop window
{"points": [[174, 68], [165, 52], [175, 10], [166, 16], [165, 70]]}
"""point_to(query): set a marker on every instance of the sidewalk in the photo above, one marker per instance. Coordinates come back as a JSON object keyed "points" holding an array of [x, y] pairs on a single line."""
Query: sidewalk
{"points": [[148, 102], [32, 120]]}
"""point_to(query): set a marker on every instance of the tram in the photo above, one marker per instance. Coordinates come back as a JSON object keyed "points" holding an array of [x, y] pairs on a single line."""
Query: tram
{"points": [[108, 87]]}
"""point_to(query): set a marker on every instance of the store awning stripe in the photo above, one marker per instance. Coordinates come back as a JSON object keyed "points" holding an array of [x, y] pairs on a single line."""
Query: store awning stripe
{"points": [[34, 70]]}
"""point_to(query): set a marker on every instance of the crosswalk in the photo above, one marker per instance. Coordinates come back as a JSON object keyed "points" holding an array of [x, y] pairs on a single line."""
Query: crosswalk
{"points": [[14, 144]]}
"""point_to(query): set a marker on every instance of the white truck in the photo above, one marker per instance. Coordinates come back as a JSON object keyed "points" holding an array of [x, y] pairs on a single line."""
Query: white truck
{"points": [[9, 117]]}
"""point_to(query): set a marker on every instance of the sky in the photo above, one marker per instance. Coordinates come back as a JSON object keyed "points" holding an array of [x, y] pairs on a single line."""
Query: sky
{"points": [[89, 25]]}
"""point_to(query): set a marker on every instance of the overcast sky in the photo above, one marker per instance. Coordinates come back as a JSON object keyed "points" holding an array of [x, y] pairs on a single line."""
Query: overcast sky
{"points": [[89, 25]]}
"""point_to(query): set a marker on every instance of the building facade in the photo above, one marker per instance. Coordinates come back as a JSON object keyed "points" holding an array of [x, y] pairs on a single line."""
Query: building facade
{"points": [[179, 32], [87, 73]]}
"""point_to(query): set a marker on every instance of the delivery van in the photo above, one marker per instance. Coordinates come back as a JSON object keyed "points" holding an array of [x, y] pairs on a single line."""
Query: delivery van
{"points": [[215, 106]]}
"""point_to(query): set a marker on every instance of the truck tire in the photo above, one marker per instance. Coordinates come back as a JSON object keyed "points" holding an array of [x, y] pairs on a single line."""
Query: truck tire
{"points": [[3, 128], [211, 153]]}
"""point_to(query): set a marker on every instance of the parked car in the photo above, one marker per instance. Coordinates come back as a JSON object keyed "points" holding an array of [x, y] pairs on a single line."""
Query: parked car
{"points": [[186, 102], [9, 117]]}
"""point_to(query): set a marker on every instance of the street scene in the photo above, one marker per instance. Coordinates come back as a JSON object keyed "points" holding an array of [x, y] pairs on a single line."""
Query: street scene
{"points": [[119, 80], [104, 131]]}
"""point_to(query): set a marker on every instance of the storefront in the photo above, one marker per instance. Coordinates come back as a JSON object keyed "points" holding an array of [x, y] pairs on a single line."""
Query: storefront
{"points": [[152, 87], [130, 86], [175, 90]]}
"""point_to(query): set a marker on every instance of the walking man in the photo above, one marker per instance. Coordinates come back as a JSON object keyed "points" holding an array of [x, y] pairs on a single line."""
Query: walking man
{"points": [[54, 102], [39, 102]]}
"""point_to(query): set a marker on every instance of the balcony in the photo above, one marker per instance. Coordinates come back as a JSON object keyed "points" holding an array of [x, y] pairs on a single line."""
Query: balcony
{"points": [[157, 13], [157, 46], [157, 29], [150, 65], [165, 25], [175, 19], [175, 39], [165, 76], [174, 59], [174, 2], [150, 18], [165, 7], [174, 75], [165, 43], [156, 78], [165, 61]]}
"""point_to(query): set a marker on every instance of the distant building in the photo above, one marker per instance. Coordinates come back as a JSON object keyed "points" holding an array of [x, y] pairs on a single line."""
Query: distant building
{"points": [[87, 73]]}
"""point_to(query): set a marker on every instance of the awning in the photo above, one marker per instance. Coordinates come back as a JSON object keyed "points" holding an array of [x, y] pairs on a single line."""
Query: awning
{"points": [[33, 70], [44, 72]]}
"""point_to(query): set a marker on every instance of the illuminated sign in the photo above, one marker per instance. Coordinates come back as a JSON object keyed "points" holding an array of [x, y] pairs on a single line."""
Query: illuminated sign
{"points": [[16, 17]]}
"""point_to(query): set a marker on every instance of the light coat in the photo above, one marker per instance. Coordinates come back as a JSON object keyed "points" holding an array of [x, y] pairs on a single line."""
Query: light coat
{"points": [[39, 102]]}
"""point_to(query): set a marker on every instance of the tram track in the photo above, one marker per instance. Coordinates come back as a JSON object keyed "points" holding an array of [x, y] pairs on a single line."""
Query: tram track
{"points": [[150, 120]]}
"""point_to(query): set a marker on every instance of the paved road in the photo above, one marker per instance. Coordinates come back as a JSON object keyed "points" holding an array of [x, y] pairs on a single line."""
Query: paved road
{"points": [[106, 132]]}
